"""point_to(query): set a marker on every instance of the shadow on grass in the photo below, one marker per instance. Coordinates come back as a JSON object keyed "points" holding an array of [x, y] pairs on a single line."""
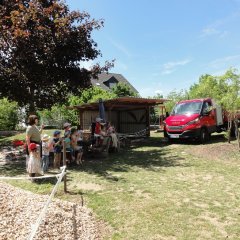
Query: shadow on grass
{"points": [[13, 169], [18, 168], [151, 154]]}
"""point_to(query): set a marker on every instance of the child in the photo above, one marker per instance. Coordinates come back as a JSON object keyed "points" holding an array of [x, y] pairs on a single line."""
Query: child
{"points": [[76, 148], [34, 164], [57, 145], [45, 152], [68, 144], [79, 135]]}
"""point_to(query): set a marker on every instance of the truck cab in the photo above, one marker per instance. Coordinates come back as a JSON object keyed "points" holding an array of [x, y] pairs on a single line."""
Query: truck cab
{"points": [[196, 118]]}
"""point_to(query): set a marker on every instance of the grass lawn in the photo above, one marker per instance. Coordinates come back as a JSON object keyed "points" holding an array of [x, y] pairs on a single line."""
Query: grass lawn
{"points": [[156, 190]]}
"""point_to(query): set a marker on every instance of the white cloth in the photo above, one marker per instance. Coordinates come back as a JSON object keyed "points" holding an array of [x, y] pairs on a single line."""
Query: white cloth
{"points": [[34, 164], [45, 148], [114, 140]]}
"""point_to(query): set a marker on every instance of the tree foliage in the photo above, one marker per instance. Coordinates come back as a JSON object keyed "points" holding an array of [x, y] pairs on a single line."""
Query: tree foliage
{"points": [[42, 47], [8, 114], [225, 89], [123, 90], [59, 113], [174, 97], [91, 94]]}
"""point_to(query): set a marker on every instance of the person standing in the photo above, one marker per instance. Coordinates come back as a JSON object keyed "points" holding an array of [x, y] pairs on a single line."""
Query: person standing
{"points": [[34, 163], [33, 134], [57, 146], [46, 145]]}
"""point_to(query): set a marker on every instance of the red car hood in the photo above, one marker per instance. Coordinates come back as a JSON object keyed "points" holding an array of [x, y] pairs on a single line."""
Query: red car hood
{"points": [[178, 120]]}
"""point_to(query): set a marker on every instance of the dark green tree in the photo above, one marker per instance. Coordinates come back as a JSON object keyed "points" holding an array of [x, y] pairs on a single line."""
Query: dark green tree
{"points": [[42, 47], [123, 90], [9, 116]]}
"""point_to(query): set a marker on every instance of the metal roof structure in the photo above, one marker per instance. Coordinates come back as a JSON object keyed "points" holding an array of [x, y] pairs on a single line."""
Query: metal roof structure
{"points": [[120, 104]]}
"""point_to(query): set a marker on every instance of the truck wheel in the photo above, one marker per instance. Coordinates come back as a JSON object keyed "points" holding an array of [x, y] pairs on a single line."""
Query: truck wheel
{"points": [[204, 135]]}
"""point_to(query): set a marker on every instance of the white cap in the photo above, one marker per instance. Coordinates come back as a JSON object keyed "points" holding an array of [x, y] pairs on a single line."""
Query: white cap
{"points": [[98, 119], [66, 124]]}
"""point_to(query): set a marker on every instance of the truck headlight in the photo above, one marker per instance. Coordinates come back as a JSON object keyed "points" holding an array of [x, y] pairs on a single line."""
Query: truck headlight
{"points": [[193, 121]]}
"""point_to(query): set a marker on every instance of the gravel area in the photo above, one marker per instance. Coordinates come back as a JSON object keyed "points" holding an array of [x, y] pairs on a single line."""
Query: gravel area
{"points": [[64, 220]]}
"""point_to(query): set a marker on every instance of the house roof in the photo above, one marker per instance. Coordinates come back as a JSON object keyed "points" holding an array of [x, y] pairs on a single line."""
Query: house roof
{"points": [[121, 104], [105, 77]]}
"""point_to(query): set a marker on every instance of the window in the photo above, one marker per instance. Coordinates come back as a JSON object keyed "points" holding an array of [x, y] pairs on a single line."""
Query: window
{"points": [[206, 107]]}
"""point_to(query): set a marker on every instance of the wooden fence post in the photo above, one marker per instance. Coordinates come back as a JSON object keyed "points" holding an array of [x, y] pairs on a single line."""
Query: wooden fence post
{"points": [[64, 164]]}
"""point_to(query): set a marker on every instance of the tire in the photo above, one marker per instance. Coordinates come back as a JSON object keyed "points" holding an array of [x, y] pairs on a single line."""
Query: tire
{"points": [[204, 136]]}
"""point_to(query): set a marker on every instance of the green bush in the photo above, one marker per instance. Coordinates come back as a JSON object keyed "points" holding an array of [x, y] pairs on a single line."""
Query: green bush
{"points": [[8, 114]]}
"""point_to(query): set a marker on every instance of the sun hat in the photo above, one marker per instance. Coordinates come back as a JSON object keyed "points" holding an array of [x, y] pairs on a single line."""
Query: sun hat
{"points": [[65, 125], [32, 146], [98, 119], [56, 132], [45, 137]]}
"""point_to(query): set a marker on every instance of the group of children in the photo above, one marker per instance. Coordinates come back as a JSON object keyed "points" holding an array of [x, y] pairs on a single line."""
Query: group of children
{"points": [[38, 160]]}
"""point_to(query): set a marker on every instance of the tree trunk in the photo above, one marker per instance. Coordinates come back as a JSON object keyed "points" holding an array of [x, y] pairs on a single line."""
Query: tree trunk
{"points": [[229, 129], [238, 139]]}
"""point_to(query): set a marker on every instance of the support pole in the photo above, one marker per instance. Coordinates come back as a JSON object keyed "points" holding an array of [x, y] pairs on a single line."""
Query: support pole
{"points": [[64, 164]]}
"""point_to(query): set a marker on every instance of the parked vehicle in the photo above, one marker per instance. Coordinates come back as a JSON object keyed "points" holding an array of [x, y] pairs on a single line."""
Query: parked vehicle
{"points": [[195, 118]]}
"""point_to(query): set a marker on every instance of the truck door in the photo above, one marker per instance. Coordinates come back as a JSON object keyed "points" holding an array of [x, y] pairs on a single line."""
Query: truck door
{"points": [[208, 116]]}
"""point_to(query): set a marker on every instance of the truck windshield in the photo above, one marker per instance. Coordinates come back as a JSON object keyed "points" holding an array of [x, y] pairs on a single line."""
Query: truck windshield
{"points": [[187, 108]]}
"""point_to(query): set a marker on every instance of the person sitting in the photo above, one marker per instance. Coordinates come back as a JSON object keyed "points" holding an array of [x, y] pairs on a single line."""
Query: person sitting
{"points": [[67, 127], [111, 132], [77, 149], [79, 135], [68, 145], [99, 132]]}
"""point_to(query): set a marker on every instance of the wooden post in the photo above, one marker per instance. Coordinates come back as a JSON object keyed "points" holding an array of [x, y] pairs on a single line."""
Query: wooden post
{"points": [[81, 120], [148, 121], [64, 164]]}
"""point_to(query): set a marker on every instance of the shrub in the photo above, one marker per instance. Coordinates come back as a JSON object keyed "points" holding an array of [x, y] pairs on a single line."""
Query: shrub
{"points": [[8, 114]]}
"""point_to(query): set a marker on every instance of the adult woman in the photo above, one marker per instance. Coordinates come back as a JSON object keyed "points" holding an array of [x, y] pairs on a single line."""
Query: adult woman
{"points": [[33, 134]]}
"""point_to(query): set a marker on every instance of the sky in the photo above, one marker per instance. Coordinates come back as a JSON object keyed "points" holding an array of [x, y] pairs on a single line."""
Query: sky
{"points": [[161, 46]]}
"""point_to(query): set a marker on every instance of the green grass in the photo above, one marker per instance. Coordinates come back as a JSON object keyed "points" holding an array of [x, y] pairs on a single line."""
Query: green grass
{"points": [[158, 191], [6, 139]]}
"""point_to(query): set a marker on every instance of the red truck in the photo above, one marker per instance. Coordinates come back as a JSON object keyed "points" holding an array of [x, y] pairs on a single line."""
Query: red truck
{"points": [[195, 118]]}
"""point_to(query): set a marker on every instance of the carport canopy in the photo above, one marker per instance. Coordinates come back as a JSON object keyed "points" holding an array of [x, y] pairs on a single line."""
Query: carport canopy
{"points": [[120, 104]]}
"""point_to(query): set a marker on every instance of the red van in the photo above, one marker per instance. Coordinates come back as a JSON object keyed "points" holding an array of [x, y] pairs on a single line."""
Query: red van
{"points": [[196, 118]]}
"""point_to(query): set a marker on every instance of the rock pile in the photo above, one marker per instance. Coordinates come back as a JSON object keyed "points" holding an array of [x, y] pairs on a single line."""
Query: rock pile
{"points": [[19, 209]]}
